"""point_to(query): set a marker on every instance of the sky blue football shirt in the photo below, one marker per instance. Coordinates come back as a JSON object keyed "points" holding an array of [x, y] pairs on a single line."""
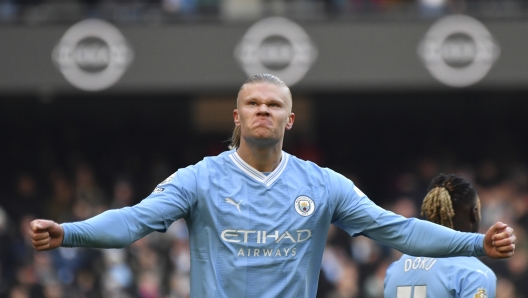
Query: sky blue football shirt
{"points": [[256, 235], [455, 277]]}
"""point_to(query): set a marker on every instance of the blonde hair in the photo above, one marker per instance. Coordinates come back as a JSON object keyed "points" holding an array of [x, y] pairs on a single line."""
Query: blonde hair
{"points": [[234, 140], [438, 208], [447, 193]]}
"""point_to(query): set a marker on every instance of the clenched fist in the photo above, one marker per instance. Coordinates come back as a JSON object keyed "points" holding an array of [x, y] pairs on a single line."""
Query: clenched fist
{"points": [[45, 234], [499, 241]]}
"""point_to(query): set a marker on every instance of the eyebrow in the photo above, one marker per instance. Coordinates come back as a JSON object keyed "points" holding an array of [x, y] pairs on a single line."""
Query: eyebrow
{"points": [[274, 100]]}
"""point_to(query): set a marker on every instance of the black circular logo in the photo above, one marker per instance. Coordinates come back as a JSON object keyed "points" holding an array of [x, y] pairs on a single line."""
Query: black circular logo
{"points": [[275, 52], [92, 54], [458, 50]]}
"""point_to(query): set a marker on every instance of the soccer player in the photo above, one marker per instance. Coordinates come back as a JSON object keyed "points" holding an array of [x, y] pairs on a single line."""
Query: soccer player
{"points": [[452, 202], [258, 217]]}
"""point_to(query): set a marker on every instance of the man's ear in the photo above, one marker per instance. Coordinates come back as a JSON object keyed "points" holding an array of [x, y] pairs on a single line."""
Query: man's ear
{"points": [[236, 118], [291, 119], [473, 214]]}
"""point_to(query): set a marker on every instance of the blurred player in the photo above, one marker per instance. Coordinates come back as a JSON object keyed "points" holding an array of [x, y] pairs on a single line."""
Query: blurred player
{"points": [[258, 217], [451, 202]]}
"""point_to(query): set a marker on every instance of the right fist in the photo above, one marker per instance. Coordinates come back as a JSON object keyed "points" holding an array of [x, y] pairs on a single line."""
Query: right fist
{"points": [[45, 234]]}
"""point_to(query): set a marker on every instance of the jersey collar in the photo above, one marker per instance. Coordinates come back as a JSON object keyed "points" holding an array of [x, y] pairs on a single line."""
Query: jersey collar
{"points": [[260, 177]]}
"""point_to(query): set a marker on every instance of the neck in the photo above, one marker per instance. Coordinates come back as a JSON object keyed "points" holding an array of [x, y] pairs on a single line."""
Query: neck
{"points": [[462, 223], [262, 159], [466, 219]]}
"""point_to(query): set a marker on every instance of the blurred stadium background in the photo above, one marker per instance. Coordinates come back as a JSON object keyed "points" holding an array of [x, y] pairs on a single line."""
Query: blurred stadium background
{"points": [[100, 100]]}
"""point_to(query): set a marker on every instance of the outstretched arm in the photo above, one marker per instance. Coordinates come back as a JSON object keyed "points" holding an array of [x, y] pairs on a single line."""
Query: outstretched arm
{"points": [[120, 227], [111, 229], [422, 238], [355, 213], [114, 228]]}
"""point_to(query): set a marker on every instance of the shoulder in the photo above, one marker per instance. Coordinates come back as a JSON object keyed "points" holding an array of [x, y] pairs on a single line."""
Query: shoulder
{"points": [[473, 278], [310, 167], [314, 174], [470, 270], [207, 166], [473, 264], [468, 262], [294, 160], [217, 161]]}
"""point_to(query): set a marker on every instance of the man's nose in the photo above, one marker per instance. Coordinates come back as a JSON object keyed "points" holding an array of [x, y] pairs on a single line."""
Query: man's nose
{"points": [[263, 109]]}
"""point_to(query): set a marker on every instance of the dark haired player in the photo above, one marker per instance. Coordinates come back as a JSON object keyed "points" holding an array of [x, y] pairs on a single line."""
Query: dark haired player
{"points": [[452, 202]]}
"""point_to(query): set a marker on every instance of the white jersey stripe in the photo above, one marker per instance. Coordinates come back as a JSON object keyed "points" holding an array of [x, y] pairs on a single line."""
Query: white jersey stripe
{"points": [[246, 167], [255, 172], [278, 171], [260, 177]]}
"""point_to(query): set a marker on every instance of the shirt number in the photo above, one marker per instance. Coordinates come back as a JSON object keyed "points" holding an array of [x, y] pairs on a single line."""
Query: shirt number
{"points": [[407, 292]]}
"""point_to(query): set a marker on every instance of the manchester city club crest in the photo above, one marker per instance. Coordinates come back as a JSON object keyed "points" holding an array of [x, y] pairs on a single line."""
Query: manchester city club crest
{"points": [[481, 293], [304, 205]]}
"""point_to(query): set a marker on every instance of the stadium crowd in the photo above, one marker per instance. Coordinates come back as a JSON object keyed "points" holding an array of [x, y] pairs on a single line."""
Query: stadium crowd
{"points": [[157, 266], [155, 11]]}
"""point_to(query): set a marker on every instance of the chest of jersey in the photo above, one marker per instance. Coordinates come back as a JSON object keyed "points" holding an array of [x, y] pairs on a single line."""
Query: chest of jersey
{"points": [[252, 219]]}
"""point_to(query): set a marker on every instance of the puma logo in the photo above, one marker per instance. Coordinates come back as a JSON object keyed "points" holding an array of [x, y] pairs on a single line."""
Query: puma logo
{"points": [[231, 201]]}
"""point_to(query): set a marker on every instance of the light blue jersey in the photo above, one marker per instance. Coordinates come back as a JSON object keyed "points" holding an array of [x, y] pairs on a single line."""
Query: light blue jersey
{"points": [[257, 235], [456, 277]]}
